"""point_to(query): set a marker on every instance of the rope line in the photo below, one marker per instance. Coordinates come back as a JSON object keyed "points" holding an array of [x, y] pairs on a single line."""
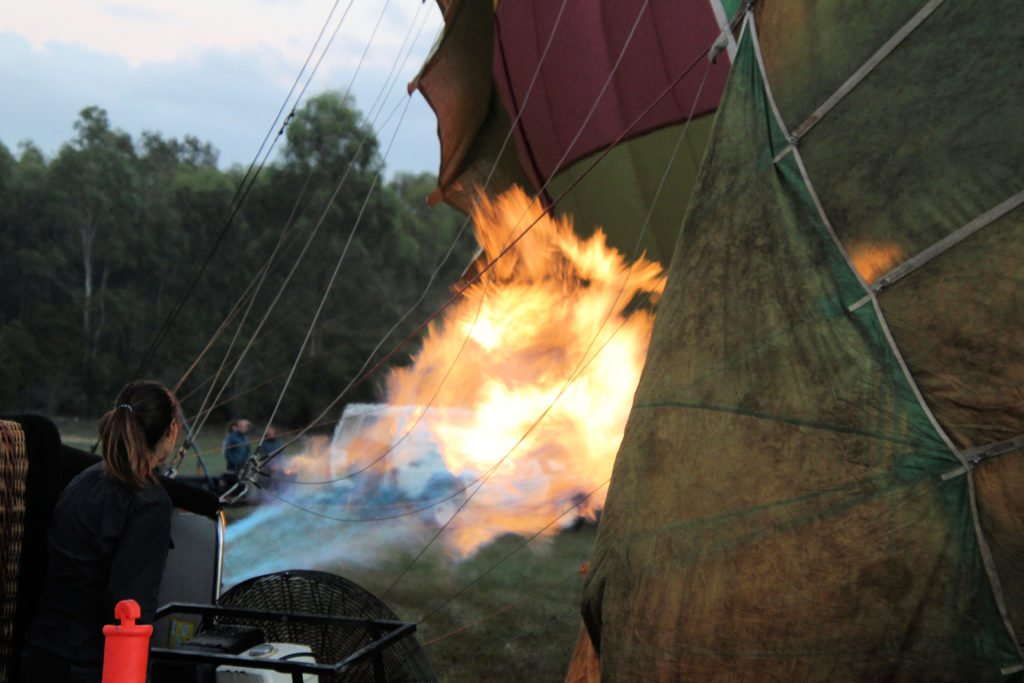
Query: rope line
{"points": [[487, 267], [204, 410], [236, 203], [584, 362], [363, 374]]}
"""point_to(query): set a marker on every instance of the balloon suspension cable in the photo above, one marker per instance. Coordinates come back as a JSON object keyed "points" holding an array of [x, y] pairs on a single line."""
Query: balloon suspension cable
{"points": [[248, 476], [237, 490], [179, 456]]}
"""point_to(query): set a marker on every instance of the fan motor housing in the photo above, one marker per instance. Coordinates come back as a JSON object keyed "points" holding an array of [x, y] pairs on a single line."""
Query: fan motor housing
{"points": [[284, 651]]}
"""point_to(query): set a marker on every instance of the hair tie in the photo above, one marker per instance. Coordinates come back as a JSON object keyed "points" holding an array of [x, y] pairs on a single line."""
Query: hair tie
{"points": [[126, 405]]}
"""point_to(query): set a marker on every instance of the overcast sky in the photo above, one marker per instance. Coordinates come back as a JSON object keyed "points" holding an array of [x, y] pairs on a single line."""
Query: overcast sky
{"points": [[216, 69]]}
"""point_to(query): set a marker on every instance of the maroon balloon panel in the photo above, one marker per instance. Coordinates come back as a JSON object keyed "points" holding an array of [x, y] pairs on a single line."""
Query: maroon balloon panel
{"points": [[660, 69]]}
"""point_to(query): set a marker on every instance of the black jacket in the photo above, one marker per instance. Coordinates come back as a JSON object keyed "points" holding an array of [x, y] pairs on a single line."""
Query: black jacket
{"points": [[106, 544]]}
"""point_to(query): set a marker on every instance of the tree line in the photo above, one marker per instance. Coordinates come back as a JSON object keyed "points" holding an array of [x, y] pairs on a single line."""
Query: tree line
{"points": [[112, 239]]}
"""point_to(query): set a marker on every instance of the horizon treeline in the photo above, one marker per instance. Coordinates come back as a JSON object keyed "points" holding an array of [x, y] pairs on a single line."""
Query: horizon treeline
{"points": [[101, 245]]}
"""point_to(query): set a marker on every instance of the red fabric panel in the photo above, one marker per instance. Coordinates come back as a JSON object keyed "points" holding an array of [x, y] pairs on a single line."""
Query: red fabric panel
{"points": [[670, 36]]}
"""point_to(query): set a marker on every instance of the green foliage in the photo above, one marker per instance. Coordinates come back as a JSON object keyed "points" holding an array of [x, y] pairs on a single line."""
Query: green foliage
{"points": [[108, 239]]}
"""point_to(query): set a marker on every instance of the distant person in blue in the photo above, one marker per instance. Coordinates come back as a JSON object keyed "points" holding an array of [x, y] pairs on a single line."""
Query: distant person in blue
{"points": [[236, 449], [270, 464], [271, 444]]}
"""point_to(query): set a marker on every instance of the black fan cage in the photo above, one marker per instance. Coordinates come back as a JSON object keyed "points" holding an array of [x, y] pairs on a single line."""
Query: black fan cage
{"points": [[312, 592]]}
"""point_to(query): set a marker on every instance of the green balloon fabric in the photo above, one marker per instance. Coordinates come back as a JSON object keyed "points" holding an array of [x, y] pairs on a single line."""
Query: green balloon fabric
{"points": [[817, 478]]}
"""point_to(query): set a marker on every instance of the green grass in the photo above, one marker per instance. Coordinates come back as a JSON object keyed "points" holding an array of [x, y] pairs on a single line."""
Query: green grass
{"points": [[83, 434], [77, 432], [509, 613]]}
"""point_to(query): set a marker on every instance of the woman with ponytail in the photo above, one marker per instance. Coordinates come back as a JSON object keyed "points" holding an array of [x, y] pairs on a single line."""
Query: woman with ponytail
{"points": [[108, 540]]}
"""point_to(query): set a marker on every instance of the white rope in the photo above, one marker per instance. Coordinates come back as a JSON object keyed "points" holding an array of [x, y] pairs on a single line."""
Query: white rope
{"points": [[723, 23]]}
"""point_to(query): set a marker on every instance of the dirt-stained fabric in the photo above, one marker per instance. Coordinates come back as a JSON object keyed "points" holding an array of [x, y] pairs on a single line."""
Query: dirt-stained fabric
{"points": [[803, 491]]}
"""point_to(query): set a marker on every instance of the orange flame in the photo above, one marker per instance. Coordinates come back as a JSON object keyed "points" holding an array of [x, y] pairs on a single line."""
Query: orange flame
{"points": [[525, 386], [874, 260]]}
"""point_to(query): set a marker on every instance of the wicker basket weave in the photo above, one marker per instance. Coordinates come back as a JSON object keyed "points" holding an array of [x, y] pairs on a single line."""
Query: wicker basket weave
{"points": [[13, 473]]}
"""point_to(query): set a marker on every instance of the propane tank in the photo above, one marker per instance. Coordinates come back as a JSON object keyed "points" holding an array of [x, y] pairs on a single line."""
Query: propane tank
{"points": [[126, 651]]}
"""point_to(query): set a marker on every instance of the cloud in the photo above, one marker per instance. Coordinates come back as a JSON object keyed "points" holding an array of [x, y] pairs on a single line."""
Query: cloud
{"points": [[129, 13], [226, 97]]}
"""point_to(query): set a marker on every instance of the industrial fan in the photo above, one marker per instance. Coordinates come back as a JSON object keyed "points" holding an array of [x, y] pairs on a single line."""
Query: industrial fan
{"points": [[294, 625]]}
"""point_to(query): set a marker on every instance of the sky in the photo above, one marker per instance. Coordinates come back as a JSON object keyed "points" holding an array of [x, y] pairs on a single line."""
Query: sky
{"points": [[219, 70]]}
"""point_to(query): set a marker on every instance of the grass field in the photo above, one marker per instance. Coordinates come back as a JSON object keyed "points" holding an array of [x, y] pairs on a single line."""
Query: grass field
{"points": [[83, 434], [509, 613]]}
